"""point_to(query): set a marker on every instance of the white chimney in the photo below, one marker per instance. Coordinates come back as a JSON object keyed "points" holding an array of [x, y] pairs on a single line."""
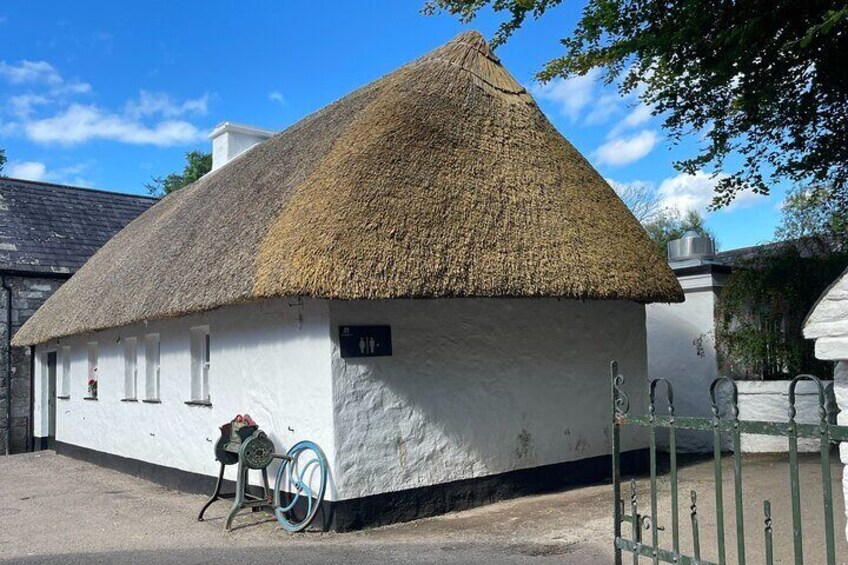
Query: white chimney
{"points": [[229, 140]]}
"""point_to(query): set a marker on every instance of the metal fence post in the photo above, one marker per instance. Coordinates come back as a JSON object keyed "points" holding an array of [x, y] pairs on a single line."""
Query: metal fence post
{"points": [[616, 462]]}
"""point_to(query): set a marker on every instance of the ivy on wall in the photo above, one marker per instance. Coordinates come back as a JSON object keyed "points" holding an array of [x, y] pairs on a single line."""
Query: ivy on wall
{"points": [[760, 312]]}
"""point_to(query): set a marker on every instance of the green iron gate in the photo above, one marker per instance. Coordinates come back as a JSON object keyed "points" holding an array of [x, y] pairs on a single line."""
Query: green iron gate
{"points": [[627, 513]]}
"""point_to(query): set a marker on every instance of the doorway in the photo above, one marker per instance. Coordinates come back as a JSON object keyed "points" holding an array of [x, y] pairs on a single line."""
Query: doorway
{"points": [[51, 400]]}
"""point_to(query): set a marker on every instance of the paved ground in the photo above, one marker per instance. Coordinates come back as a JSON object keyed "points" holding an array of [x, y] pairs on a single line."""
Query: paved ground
{"points": [[57, 510]]}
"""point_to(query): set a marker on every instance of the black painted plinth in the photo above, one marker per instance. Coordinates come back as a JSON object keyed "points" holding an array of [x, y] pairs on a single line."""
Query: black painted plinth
{"points": [[400, 506]]}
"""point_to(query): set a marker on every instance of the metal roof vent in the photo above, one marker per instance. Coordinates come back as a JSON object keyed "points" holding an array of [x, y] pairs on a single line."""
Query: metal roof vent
{"points": [[691, 246]]}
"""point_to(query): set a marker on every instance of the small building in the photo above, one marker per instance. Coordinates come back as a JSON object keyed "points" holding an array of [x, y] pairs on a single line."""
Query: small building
{"points": [[681, 338], [682, 346], [425, 278], [47, 232]]}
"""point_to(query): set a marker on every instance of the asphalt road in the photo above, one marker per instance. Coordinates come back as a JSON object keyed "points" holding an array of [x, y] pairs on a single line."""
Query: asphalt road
{"points": [[55, 510]]}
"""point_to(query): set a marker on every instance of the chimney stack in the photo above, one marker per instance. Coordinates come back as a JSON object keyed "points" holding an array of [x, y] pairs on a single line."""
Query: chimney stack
{"points": [[229, 140]]}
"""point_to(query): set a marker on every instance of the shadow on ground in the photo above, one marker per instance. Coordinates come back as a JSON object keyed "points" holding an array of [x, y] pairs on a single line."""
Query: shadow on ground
{"points": [[58, 510]]}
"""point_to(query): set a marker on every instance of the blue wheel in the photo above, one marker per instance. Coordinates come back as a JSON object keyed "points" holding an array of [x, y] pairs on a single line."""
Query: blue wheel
{"points": [[300, 486]]}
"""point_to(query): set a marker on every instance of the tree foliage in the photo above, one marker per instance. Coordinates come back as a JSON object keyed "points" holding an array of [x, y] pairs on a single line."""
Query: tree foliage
{"points": [[2, 159], [669, 225], [761, 310], [197, 165], [764, 80], [815, 212]]}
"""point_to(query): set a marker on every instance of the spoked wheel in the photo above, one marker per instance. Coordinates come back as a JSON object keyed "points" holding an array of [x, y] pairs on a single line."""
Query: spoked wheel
{"points": [[300, 486]]}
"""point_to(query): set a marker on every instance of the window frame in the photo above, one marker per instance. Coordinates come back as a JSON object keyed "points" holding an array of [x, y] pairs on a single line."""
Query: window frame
{"points": [[131, 368], [65, 357], [201, 365], [152, 367], [93, 365]]}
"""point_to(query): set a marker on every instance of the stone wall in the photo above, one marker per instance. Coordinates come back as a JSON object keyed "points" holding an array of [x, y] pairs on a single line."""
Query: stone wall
{"points": [[768, 401], [28, 294]]}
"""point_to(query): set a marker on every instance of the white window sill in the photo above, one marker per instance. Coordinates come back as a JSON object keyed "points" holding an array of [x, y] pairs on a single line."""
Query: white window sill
{"points": [[199, 403]]}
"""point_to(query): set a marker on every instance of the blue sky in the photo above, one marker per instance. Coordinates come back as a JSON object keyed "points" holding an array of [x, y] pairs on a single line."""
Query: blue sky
{"points": [[109, 94]]}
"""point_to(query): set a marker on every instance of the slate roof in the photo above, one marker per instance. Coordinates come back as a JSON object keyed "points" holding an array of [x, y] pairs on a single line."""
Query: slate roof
{"points": [[805, 246], [53, 228]]}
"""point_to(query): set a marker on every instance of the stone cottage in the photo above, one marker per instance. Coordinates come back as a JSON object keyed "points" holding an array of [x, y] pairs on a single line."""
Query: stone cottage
{"points": [[424, 277], [47, 231]]}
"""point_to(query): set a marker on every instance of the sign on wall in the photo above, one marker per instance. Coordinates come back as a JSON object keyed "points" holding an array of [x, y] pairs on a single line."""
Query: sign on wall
{"points": [[365, 341]]}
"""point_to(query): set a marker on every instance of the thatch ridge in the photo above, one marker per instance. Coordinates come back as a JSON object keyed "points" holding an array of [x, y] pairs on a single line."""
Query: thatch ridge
{"points": [[442, 179]]}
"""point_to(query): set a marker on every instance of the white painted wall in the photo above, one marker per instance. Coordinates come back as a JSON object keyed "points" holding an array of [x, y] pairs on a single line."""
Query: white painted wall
{"points": [[269, 359], [768, 401], [828, 325], [480, 386], [840, 390], [475, 387], [674, 333]]}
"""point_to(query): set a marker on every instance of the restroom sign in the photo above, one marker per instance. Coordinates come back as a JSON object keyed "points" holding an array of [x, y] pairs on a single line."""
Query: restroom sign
{"points": [[365, 341]]}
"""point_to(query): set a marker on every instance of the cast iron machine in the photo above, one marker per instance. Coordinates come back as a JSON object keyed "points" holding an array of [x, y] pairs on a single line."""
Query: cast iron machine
{"points": [[300, 482]]}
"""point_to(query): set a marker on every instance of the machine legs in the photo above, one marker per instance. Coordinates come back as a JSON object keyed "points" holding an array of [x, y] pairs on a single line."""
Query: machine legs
{"points": [[241, 498], [215, 495]]}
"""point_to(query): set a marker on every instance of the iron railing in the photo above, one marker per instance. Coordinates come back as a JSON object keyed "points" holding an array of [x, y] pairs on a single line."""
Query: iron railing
{"points": [[826, 431]]}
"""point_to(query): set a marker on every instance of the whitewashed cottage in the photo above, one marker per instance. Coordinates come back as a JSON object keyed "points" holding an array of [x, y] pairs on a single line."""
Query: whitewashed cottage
{"points": [[425, 278]]}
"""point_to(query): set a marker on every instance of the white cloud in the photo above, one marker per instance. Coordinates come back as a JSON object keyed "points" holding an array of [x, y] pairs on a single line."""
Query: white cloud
{"points": [[72, 87], [623, 150], [79, 123], [679, 193], [24, 104], [587, 96], [30, 170], [686, 192], [30, 72], [604, 108], [9, 129], [47, 112], [640, 114], [38, 171], [571, 96], [276, 97], [39, 73], [159, 103]]}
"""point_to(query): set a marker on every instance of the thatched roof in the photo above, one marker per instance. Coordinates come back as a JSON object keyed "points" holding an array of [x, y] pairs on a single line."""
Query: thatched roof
{"points": [[442, 179]]}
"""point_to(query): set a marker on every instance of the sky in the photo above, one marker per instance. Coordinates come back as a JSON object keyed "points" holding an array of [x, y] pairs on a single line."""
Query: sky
{"points": [[111, 94]]}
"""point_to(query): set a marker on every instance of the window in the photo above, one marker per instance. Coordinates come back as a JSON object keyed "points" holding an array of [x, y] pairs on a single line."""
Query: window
{"points": [[152, 356], [200, 364], [66, 372], [92, 370], [130, 368]]}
